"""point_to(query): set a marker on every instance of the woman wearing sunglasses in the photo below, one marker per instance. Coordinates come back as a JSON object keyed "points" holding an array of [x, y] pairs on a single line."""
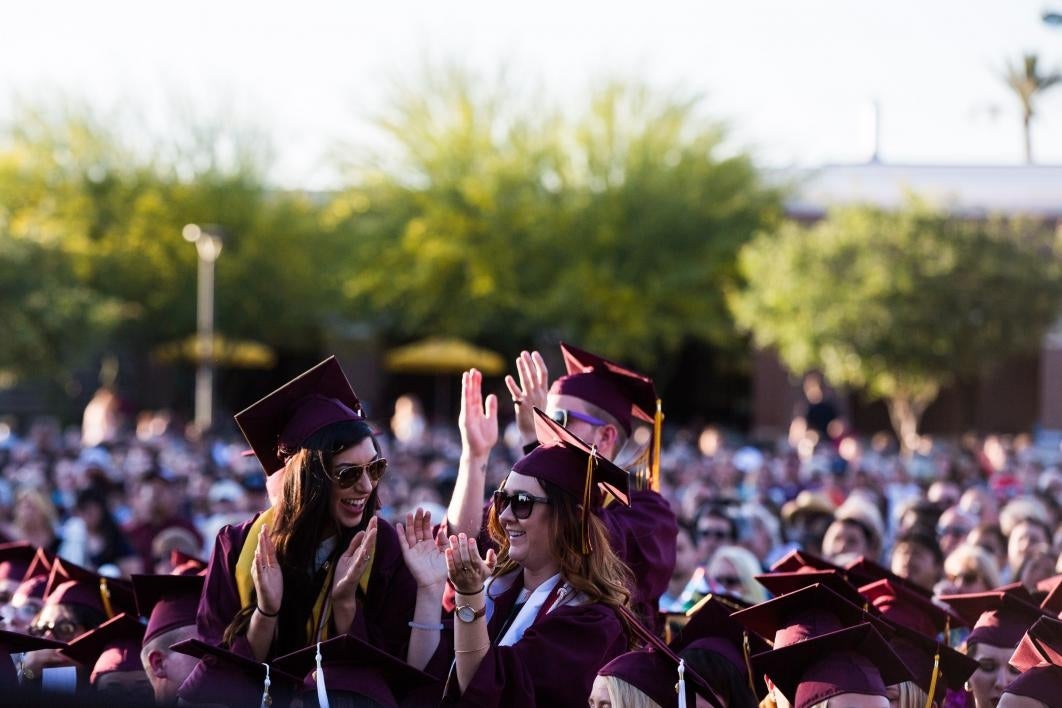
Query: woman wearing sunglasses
{"points": [[536, 620], [318, 563]]}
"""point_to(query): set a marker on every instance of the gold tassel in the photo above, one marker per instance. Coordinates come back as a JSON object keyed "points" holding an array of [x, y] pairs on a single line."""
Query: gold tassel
{"points": [[746, 650], [933, 681], [947, 630], [105, 595], [588, 487], [654, 463]]}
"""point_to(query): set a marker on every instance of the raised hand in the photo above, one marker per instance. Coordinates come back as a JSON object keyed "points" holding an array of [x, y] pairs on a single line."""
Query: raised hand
{"points": [[467, 570], [530, 392], [423, 554], [351, 565], [266, 574], [478, 419]]}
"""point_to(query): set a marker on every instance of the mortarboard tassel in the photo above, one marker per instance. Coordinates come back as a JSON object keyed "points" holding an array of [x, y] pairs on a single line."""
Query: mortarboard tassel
{"points": [[746, 651], [267, 700], [681, 686], [933, 681], [947, 630], [322, 691], [654, 465], [588, 487], [105, 596]]}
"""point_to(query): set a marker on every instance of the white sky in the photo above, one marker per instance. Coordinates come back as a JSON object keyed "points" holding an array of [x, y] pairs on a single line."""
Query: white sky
{"points": [[794, 78]]}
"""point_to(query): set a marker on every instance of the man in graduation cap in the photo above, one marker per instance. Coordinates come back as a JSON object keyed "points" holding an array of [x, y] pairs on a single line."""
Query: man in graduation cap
{"points": [[600, 402], [112, 654], [170, 602]]}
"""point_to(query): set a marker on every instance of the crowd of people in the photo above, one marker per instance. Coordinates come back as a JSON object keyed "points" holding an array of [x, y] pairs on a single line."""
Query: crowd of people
{"points": [[579, 552]]}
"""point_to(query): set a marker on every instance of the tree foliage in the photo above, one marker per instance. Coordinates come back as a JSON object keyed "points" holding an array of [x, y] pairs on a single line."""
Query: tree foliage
{"points": [[899, 303]]}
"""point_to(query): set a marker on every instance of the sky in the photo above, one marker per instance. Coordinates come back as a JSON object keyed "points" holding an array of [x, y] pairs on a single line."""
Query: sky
{"points": [[794, 79]]}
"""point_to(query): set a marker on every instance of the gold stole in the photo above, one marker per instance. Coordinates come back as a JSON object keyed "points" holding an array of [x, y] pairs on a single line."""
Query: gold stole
{"points": [[322, 608]]}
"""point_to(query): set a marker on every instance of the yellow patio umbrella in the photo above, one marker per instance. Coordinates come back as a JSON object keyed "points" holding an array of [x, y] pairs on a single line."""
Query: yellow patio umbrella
{"points": [[443, 355], [232, 353]]}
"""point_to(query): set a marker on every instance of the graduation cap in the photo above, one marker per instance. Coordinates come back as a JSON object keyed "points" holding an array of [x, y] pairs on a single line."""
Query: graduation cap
{"points": [[168, 601], [70, 584], [711, 628], [285, 418], [851, 660], [621, 392], [346, 663], [35, 579], [796, 560], [113, 646], [657, 671], [782, 583], [998, 618], [1053, 602], [1039, 658], [17, 643], [185, 563], [901, 605], [863, 571], [222, 676], [574, 466], [15, 559], [800, 616], [934, 666]]}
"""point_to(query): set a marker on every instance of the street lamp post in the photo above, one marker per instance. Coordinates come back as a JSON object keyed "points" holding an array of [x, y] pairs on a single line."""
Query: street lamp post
{"points": [[208, 242]]}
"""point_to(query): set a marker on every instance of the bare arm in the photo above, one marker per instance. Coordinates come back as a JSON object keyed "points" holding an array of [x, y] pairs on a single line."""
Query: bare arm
{"points": [[478, 423], [469, 572], [260, 633], [269, 590], [424, 558]]}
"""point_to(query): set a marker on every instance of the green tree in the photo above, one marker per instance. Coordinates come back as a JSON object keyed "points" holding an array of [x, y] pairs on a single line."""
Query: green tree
{"points": [[899, 303], [496, 217], [1028, 82]]}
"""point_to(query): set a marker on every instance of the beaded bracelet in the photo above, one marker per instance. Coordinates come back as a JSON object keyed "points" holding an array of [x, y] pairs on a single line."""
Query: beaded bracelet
{"points": [[427, 627]]}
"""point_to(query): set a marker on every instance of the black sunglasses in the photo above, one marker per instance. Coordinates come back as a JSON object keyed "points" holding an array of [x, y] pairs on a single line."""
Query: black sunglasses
{"points": [[346, 476], [562, 417], [522, 503], [63, 630]]}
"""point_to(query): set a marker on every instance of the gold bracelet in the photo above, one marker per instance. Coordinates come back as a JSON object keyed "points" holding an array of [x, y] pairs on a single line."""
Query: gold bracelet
{"points": [[472, 651]]}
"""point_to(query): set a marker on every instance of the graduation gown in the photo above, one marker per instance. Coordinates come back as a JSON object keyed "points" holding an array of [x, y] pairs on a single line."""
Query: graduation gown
{"points": [[553, 664], [383, 611]]}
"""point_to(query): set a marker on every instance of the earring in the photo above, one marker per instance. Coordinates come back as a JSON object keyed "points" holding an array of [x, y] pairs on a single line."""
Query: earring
{"points": [[966, 685]]}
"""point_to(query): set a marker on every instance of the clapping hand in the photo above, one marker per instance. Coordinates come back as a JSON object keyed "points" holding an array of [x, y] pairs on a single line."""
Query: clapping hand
{"points": [[266, 574], [467, 570], [422, 553], [352, 563]]}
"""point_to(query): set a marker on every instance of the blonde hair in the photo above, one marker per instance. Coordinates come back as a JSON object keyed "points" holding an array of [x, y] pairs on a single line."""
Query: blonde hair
{"points": [[911, 696], [42, 503], [967, 555], [747, 567], [624, 695]]}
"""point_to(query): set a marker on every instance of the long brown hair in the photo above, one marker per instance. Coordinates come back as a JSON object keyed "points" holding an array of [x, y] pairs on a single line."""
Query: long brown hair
{"points": [[600, 574], [301, 520]]}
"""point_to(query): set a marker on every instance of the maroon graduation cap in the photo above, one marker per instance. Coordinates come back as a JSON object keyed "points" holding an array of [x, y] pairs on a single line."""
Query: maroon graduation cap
{"points": [[780, 583], [351, 665], [285, 418], [999, 619], [70, 584], [711, 628], [903, 606], [15, 560], [168, 601], [222, 676], [35, 579], [566, 461], [113, 646], [1053, 602], [1039, 658], [621, 392], [185, 563], [851, 660], [796, 560], [800, 616], [863, 571]]}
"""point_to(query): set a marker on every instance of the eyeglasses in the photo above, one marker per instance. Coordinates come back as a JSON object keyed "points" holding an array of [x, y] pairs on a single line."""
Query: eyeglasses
{"points": [[522, 503], [968, 578], [562, 416], [347, 476], [63, 630]]}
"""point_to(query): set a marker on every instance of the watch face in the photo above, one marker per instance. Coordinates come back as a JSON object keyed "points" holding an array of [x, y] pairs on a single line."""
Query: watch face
{"points": [[465, 613]]}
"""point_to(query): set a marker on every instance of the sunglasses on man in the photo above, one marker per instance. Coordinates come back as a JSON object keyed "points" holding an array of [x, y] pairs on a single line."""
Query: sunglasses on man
{"points": [[63, 630], [522, 503], [346, 476], [562, 416]]}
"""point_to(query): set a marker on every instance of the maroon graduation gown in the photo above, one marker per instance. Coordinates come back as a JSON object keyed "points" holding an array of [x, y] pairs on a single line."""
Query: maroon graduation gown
{"points": [[383, 612], [553, 664]]}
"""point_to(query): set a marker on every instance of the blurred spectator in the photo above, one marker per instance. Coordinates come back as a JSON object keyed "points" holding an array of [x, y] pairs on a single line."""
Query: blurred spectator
{"points": [[969, 569], [1029, 537], [917, 557], [1037, 566], [715, 528], [155, 510], [102, 418], [991, 539], [953, 527], [685, 565], [35, 521], [979, 502], [92, 538], [732, 570], [857, 530], [807, 517]]}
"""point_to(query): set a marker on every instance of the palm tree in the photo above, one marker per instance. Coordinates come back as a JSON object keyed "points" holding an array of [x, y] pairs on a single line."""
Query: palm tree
{"points": [[1025, 79]]}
